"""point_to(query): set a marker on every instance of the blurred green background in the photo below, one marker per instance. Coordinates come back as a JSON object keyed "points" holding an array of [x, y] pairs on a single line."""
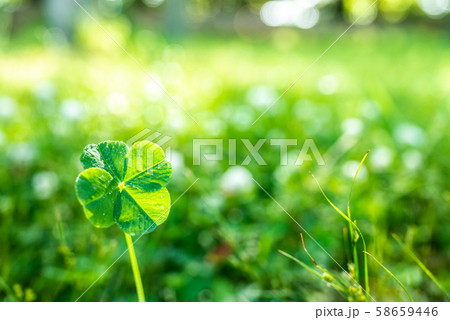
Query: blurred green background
{"points": [[384, 86]]}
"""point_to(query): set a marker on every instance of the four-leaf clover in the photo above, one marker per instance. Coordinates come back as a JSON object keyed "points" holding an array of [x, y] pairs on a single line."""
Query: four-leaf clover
{"points": [[124, 185]]}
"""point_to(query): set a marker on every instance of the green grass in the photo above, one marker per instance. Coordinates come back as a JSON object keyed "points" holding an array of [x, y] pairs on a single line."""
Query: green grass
{"points": [[422, 266], [218, 246]]}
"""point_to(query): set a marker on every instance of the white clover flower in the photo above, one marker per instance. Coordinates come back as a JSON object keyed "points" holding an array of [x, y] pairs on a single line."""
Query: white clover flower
{"points": [[352, 126], [349, 169], [45, 90], [328, 84], [71, 109], [237, 180], [117, 103], [261, 96], [381, 157], [412, 159], [21, 153], [45, 184], [7, 107], [154, 90], [370, 109], [411, 134]]}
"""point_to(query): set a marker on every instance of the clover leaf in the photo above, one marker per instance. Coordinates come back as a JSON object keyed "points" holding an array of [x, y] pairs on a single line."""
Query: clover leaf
{"points": [[124, 185]]}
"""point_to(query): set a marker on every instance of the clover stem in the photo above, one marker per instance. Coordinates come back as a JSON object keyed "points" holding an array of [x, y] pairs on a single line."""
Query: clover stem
{"points": [[135, 267]]}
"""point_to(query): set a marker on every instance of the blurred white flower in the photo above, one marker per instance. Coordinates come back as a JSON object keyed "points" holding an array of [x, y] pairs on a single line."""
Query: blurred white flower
{"points": [[7, 107], [412, 159], [178, 119], [154, 90], [307, 18], [21, 153], [45, 90], [352, 126], [370, 109], [242, 117], [328, 84], [434, 8], [299, 13], [117, 103], [71, 109], [237, 180], [381, 157], [409, 134], [349, 169], [215, 127], [44, 183], [282, 174], [261, 96]]}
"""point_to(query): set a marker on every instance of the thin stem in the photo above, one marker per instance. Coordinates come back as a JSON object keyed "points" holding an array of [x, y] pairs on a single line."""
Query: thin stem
{"points": [[352, 232], [421, 265], [391, 274], [355, 258], [366, 268], [353, 243], [342, 291], [315, 263], [135, 267], [352, 235]]}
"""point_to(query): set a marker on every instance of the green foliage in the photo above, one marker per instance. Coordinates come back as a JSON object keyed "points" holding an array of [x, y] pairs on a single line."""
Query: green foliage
{"points": [[353, 290], [392, 275], [220, 246], [124, 186], [422, 266]]}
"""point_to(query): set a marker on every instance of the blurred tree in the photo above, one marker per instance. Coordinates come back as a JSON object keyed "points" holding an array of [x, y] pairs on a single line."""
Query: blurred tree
{"points": [[60, 14], [175, 17]]}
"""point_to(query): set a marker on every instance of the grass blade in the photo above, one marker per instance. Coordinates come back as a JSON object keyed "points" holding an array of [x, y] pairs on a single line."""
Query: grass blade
{"points": [[301, 263], [391, 274], [353, 183], [330, 275], [421, 265], [352, 232], [334, 284], [366, 268]]}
